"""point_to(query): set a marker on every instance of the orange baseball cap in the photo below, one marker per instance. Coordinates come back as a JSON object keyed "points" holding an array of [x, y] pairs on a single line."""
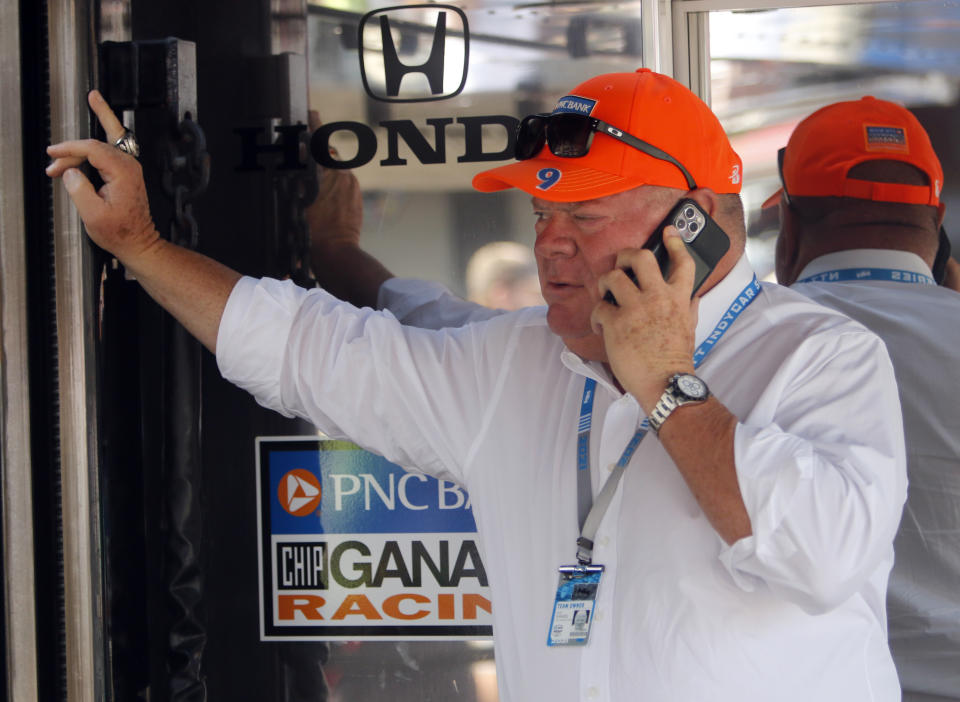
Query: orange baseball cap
{"points": [[647, 105], [826, 145]]}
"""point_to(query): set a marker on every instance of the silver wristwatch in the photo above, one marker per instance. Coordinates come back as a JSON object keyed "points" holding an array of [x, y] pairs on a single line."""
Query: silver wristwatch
{"points": [[683, 389]]}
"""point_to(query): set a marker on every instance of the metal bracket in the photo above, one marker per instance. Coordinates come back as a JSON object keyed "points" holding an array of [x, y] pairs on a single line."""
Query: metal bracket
{"points": [[152, 73]]}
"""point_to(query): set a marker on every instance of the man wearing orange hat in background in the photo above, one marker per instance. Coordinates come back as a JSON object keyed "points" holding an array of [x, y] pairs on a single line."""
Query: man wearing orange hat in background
{"points": [[861, 233], [734, 545]]}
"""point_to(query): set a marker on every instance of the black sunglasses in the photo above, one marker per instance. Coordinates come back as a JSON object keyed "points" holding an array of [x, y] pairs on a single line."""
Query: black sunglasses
{"points": [[570, 135]]}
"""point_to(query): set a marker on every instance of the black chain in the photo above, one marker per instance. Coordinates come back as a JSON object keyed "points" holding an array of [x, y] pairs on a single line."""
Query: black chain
{"points": [[186, 174], [294, 192]]}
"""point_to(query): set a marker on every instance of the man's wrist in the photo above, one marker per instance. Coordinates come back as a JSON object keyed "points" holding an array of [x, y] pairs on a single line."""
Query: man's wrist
{"points": [[652, 392], [682, 389], [139, 254], [335, 244]]}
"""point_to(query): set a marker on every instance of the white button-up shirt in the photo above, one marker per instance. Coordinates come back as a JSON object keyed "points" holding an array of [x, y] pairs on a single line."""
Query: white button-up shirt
{"points": [[920, 324], [793, 612]]}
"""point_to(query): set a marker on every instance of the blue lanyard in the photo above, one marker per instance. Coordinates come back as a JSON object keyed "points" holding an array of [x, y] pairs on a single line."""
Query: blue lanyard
{"points": [[894, 274], [590, 515]]}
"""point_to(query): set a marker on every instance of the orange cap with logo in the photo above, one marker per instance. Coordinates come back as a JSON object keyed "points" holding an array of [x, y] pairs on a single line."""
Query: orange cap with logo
{"points": [[647, 105], [827, 144]]}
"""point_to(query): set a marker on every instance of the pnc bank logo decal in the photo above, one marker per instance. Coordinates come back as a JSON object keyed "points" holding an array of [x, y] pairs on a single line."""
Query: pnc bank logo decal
{"points": [[422, 48], [299, 492]]}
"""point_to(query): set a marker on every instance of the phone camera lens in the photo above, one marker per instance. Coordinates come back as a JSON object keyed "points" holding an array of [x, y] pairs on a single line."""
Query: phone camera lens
{"points": [[689, 213], [680, 224], [694, 227]]}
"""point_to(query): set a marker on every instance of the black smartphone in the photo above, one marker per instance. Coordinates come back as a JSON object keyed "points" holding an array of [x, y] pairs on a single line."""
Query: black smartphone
{"points": [[705, 240]]}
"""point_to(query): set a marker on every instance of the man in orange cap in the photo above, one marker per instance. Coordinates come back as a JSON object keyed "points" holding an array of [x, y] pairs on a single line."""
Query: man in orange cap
{"points": [[724, 534], [861, 233]]}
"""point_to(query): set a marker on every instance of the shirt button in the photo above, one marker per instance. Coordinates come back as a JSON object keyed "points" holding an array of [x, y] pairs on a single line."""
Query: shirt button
{"points": [[599, 616], [592, 693], [611, 467], [604, 541]]}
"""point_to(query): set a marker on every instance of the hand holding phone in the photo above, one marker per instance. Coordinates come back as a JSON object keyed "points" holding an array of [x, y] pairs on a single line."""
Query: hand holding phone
{"points": [[706, 243]]}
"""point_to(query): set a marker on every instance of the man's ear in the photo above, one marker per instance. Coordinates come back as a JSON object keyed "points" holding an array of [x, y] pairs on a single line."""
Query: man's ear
{"points": [[787, 249], [941, 210], [706, 198]]}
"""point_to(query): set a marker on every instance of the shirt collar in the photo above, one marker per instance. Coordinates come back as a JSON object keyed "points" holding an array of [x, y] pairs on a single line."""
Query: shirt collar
{"points": [[866, 258], [590, 369], [716, 301]]}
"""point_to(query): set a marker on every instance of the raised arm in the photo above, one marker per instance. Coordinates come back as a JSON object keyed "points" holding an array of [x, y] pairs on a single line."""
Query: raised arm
{"points": [[344, 269], [192, 287], [335, 220], [648, 339], [806, 482]]}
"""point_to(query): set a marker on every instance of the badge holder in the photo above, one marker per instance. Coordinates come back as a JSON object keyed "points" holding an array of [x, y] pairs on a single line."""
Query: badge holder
{"points": [[574, 605]]}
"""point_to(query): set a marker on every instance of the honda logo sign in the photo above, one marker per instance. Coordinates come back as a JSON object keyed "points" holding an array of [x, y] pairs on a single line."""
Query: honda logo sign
{"points": [[414, 53]]}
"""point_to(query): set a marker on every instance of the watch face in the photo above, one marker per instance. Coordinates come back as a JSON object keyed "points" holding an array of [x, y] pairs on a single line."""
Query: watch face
{"points": [[691, 386]]}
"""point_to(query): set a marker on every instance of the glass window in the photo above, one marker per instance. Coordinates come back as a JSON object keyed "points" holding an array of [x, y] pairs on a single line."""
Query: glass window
{"points": [[422, 216], [417, 132], [772, 68]]}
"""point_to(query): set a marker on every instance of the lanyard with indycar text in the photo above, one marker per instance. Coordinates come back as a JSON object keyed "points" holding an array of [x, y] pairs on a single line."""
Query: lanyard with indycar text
{"points": [[893, 274], [591, 515], [576, 596]]}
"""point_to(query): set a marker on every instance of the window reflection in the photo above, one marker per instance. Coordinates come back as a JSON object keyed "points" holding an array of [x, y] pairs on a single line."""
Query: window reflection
{"points": [[768, 70]]}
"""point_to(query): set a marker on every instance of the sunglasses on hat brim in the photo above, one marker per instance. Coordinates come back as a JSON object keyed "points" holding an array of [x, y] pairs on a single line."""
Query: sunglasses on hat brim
{"points": [[570, 135]]}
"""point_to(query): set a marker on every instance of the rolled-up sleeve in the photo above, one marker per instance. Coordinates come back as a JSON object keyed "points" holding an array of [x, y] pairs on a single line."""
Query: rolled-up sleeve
{"points": [[251, 339], [355, 373], [429, 305], [824, 478]]}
